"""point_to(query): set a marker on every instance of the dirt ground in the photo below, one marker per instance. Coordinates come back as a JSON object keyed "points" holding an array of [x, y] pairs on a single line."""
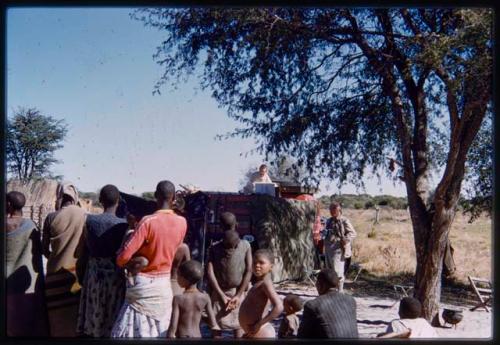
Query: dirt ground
{"points": [[377, 306]]}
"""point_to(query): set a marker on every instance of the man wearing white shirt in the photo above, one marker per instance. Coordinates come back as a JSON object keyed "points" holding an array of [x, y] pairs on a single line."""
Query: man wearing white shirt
{"points": [[260, 176]]}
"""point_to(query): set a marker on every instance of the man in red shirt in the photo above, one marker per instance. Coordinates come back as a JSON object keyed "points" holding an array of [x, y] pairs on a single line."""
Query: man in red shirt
{"points": [[148, 301]]}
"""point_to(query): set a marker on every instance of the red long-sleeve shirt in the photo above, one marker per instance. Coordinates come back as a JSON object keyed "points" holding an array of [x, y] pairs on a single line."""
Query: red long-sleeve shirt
{"points": [[157, 237]]}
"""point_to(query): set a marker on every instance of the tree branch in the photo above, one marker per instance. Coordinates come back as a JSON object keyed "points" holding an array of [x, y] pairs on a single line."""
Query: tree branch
{"points": [[409, 22]]}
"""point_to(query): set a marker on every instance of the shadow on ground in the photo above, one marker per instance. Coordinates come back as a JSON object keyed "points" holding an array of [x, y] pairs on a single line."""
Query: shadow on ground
{"points": [[369, 285]]}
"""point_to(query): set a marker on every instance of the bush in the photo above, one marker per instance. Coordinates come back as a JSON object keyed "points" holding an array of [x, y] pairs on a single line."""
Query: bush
{"points": [[369, 204], [148, 196], [358, 206]]}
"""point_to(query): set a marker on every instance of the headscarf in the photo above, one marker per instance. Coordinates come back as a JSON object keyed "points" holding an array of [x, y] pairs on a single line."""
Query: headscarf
{"points": [[66, 188]]}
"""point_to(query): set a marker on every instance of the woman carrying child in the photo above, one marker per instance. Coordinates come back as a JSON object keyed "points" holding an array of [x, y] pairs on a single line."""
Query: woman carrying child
{"points": [[148, 299]]}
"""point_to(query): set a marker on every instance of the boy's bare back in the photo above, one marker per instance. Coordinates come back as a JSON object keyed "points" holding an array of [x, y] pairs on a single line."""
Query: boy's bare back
{"points": [[189, 307]]}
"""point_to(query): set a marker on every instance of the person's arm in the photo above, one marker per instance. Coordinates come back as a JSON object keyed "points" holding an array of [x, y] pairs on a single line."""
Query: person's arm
{"points": [[402, 334], [174, 321], [350, 233], [82, 256], [36, 251], [274, 313], [46, 238], [132, 245], [307, 325], [187, 253], [215, 285], [235, 301], [211, 315]]}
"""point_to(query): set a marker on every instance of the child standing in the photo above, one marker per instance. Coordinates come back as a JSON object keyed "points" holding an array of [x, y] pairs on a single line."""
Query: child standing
{"points": [[289, 326], [188, 307], [253, 316], [229, 270]]}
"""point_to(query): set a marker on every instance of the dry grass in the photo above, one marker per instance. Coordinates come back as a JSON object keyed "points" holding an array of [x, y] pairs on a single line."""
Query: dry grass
{"points": [[387, 249]]}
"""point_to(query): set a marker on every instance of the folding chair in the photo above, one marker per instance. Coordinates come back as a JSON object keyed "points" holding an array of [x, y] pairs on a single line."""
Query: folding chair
{"points": [[357, 268], [402, 291], [484, 292]]}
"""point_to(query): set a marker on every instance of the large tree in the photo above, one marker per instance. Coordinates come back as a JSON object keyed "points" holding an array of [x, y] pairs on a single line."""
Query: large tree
{"points": [[343, 89], [31, 141]]}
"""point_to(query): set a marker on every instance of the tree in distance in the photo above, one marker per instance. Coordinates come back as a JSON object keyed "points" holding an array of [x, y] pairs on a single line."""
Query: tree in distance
{"points": [[31, 140]]}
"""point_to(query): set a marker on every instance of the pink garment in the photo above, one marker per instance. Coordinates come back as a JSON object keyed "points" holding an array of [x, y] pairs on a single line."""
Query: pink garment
{"points": [[157, 238]]}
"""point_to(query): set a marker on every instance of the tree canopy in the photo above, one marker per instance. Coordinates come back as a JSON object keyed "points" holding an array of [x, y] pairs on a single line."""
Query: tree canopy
{"points": [[346, 90], [31, 141], [299, 81]]}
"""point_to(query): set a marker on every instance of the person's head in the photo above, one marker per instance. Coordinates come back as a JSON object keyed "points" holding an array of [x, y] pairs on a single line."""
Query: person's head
{"points": [[292, 304], [327, 279], [227, 221], [335, 209], [66, 194], [15, 202], [131, 220], [263, 170], [231, 239], [263, 261], [410, 308], [190, 272], [165, 192], [109, 196]]}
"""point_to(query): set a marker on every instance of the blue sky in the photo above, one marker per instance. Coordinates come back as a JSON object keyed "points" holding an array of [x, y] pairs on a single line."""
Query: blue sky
{"points": [[93, 67]]}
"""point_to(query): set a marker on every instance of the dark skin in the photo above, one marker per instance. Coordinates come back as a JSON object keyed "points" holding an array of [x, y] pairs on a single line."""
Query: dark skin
{"points": [[324, 288], [14, 218], [253, 309], [164, 203], [181, 255], [232, 302], [186, 311]]}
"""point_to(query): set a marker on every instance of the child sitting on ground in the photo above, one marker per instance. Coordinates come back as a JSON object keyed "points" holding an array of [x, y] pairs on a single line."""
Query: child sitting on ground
{"points": [[410, 324], [289, 326], [256, 303], [187, 307]]}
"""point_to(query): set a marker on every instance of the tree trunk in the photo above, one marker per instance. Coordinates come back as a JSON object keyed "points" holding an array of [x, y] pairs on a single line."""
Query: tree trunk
{"points": [[430, 264]]}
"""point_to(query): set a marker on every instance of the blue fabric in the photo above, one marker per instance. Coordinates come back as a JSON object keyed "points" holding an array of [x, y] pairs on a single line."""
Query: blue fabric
{"points": [[104, 234]]}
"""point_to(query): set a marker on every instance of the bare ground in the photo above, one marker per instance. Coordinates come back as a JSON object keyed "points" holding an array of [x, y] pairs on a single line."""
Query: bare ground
{"points": [[377, 305]]}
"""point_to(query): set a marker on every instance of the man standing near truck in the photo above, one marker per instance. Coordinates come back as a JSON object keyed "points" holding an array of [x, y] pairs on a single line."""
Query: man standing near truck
{"points": [[260, 176], [339, 235]]}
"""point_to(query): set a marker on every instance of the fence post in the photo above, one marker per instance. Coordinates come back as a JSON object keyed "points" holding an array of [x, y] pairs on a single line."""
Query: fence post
{"points": [[377, 213]]}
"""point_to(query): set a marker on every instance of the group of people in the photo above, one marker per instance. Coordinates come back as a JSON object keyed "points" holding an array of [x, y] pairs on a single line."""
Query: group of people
{"points": [[112, 277]]}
